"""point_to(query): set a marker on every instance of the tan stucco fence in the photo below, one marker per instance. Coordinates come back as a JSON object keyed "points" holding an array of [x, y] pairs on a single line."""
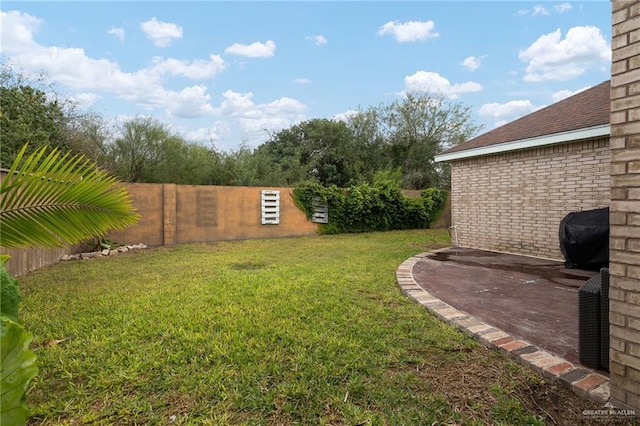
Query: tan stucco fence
{"points": [[177, 214]]}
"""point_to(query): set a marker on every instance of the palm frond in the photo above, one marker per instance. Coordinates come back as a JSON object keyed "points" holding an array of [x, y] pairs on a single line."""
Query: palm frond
{"points": [[48, 200]]}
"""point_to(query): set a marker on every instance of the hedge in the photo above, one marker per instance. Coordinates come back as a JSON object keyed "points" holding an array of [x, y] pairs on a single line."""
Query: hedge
{"points": [[370, 207]]}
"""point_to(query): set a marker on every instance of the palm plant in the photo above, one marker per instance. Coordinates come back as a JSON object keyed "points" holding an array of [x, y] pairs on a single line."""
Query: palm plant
{"points": [[47, 200]]}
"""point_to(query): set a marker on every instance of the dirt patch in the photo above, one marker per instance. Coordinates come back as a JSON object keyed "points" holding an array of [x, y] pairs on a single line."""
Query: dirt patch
{"points": [[480, 382]]}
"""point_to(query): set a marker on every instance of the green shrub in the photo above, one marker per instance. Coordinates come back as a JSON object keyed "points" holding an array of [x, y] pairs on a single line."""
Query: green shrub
{"points": [[10, 294], [380, 206], [18, 368], [18, 362], [434, 200]]}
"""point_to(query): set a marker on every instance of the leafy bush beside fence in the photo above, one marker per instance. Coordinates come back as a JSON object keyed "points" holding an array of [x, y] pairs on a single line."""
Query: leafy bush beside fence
{"points": [[370, 207]]}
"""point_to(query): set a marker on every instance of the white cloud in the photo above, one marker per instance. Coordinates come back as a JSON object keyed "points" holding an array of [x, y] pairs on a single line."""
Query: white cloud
{"points": [[563, 94], [563, 7], [471, 63], [74, 69], [71, 67], [285, 106], [85, 100], [236, 104], [302, 80], [318, 40], [552, 58], [17, 30], [195, 70], [219, 130], [190, 102], [253, 50], [120, 119], [560, 95], [117, 33], [161, 33], [254, 118], [409, 31], [540, 10], [513, 109], [431, 82], [543, 11], [345, 116]]}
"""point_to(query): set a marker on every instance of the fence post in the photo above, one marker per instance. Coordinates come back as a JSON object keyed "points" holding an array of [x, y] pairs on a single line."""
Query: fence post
{"points": [[169, 214]]}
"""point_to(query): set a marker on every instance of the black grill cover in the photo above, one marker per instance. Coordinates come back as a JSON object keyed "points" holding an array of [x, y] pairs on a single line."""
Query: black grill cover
{"points": [[584, 239]]}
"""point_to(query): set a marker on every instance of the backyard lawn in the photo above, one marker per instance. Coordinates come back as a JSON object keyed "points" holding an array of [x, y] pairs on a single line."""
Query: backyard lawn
{"points": [[308, 331]]}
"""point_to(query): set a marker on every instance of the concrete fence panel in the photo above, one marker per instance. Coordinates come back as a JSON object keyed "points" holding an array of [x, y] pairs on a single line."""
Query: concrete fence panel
{"points": [[178, 214]]}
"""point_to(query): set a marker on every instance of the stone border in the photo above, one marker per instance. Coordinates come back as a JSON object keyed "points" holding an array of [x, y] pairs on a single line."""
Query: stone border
{"points": [[104, 253], [583, 381]]}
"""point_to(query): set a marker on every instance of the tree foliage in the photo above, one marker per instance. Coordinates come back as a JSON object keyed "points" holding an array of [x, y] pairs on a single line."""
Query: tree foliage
{"points": [[409, 132], [140, 148], [27, 115], [88, 134], [319, 150], [403, 134]]}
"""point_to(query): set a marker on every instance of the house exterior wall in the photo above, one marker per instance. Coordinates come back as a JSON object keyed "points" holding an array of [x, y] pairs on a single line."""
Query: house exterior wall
{"points": [[624, 244], [513, 202]]}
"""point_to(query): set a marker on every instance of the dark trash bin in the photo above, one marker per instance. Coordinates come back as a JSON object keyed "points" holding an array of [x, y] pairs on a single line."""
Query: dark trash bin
{"points": [[604, 318], [589, 323], [593, 321]]}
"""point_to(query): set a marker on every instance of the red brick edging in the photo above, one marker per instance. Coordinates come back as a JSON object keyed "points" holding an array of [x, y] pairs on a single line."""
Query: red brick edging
{"points": [[583, 381]]}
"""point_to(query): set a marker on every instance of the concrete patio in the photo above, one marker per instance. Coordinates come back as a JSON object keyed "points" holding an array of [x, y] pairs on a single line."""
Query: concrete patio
{"points": [[524, 307]]}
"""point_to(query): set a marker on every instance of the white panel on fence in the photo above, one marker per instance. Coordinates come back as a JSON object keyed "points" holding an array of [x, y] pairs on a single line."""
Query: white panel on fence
{"points": [[320, 211], [270, 207]]}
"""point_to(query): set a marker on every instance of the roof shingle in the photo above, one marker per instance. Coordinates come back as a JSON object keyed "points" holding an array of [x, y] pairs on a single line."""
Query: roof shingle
{"points": [[586, 109]]}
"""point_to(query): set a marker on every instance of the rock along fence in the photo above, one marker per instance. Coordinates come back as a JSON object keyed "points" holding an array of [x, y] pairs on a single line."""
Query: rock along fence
{"points": [[177, 214]]}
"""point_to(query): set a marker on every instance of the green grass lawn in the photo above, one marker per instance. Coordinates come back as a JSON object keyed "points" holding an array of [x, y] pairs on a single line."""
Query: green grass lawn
{"points": [[310, 330]]}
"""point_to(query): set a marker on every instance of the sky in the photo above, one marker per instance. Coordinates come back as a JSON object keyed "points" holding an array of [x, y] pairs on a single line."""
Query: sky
{"points": [[229, 74]]}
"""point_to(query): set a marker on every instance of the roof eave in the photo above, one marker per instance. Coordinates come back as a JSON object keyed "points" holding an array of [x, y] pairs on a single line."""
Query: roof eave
{"points": [[553, 139]]}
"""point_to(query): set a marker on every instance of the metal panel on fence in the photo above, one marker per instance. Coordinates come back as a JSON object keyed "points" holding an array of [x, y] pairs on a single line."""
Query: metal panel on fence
{"points": [[320, 211], [270, 202]]}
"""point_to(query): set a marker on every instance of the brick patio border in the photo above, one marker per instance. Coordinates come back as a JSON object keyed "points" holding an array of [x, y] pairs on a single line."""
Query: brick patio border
{"points": [[583, 381]]}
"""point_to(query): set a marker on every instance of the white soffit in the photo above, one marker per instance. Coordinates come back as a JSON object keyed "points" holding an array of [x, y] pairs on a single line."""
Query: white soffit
{"points": [[555, 138]]}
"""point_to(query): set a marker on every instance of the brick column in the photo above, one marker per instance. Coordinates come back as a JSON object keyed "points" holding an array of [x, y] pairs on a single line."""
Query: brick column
{"points": [[624, 297]]}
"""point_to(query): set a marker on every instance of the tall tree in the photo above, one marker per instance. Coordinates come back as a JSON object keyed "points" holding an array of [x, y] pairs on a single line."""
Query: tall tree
{"points": [[422, 126], [185, 163], [140, 148], [370, 143], [415, 129], [319, 149], [28, 114], [89, 134]]}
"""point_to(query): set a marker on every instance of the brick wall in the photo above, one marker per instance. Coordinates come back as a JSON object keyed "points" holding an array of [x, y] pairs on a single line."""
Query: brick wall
{"points": [[625, 206], [514, 202]]}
